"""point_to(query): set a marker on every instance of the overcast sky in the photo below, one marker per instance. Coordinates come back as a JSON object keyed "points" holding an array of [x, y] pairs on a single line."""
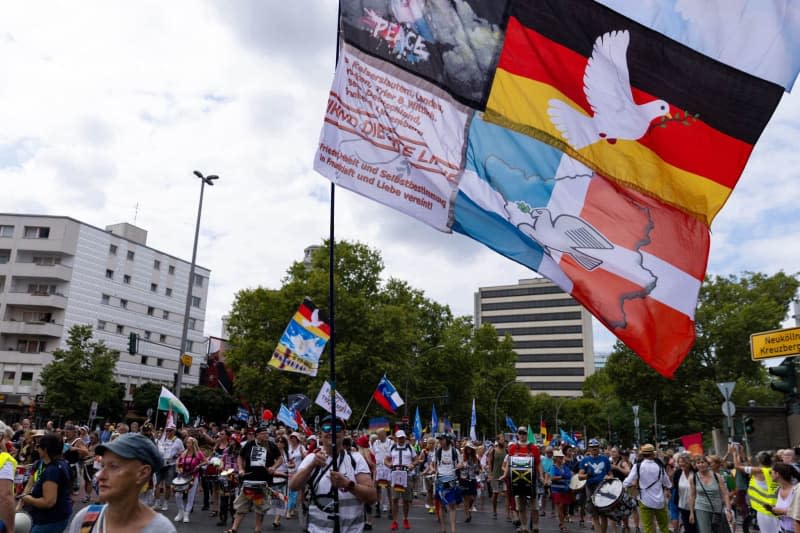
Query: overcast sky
{"points": [[108, 105]]}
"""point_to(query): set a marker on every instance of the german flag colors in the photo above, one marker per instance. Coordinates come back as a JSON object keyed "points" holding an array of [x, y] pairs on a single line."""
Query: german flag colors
{"points": [[628, 102]]}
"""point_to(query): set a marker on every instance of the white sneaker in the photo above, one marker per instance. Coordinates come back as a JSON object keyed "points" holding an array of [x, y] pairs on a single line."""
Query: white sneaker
{"points": [[186, 518], [164, 507], [179, 516]]}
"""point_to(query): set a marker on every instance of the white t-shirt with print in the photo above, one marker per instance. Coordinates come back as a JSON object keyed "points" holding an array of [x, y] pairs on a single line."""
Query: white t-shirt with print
{"points": [[351, 510]]}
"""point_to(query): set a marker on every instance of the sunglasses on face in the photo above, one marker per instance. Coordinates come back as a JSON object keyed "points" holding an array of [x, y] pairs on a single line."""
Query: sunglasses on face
{"points": [[327, 428]]}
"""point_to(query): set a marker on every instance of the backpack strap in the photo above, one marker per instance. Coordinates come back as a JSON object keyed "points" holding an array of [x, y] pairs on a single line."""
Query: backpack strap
{"points": [[91, 517]]}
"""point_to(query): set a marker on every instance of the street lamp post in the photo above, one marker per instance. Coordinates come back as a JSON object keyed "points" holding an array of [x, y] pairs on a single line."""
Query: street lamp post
{"points": [[204, 180], [558, 408], [497, 399]]}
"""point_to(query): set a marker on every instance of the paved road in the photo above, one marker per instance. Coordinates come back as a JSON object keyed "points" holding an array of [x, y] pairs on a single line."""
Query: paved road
{"points": [[420, 520]]}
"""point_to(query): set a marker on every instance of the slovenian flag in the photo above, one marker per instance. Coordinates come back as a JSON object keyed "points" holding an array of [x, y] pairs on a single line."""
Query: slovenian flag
{"points": [[387, 396], [169, 402]]}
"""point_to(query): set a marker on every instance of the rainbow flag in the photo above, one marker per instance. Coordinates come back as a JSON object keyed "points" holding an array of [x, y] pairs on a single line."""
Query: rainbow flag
{"points": [[379, 422]]}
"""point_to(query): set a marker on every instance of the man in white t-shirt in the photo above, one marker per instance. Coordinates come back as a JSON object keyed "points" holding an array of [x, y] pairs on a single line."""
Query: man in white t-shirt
{"points": [[352, 480], [170, 447], [380, 448], [445, 459], [8, 468], [401, 459]]}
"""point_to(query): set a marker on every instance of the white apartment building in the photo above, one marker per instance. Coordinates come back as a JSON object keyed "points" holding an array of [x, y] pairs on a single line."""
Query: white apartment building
{"points": [[551, 331], [56, 272]]}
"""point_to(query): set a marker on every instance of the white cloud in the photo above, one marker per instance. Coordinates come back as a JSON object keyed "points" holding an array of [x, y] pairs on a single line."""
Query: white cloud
{"points": [[110, 105]]}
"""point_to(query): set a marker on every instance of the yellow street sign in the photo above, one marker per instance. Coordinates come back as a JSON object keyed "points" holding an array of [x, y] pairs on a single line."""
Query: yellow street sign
{"points": [[186, 360], [776, 343]]}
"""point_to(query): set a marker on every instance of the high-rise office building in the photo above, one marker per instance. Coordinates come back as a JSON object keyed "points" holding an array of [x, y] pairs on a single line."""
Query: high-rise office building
{"points": [[56, 272], [552, 333]]}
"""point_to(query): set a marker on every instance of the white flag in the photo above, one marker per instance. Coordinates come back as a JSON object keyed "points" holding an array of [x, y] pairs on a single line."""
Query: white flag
{"points": [[343, 410]]}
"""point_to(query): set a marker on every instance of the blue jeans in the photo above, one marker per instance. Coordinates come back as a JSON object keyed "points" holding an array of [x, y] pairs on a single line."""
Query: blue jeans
{"points": [[52, 527]]}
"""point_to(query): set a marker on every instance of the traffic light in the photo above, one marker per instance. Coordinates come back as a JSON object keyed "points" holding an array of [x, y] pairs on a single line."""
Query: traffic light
{"points": [[786, 371], [749, 427], [133, 343]]}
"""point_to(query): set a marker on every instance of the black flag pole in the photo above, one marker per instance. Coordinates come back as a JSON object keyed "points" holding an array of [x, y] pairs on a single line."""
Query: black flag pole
{"points": [[332, 315]]}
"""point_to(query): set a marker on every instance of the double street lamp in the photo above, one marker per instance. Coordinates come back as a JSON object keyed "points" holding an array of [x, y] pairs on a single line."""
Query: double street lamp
{"points": [[204, 180]]}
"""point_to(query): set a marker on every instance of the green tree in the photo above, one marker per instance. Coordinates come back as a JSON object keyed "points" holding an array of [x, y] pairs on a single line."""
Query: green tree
{"points": [[212, 403], [729, 310], [81, 374], [146, 397]]}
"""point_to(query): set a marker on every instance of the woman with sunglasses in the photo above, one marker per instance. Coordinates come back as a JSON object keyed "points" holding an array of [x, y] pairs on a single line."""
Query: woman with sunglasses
{"points": [[50, 501], [351, 479]]}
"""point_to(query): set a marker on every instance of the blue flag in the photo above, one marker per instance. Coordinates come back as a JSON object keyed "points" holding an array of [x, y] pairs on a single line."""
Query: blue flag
{"points": [[286, 416], [473, 421], [434, 420], [565, 437], [511, 425], [417, 426], [243, 414], [447, 425]]}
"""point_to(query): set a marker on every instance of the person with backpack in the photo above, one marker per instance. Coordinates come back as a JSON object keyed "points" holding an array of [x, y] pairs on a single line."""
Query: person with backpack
{"points": [[652, 480], [349, 478], [401, 459], [448, 495], [523, 467], [595, 468]]}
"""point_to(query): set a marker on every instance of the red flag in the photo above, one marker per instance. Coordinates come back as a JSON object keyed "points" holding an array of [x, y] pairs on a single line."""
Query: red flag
{"points": [[302, 423], [693, 443]]}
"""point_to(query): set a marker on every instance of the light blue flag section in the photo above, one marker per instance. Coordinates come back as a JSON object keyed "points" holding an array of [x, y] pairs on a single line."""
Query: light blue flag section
{"points": [[286, 416], [417, 426], [434, 420]]}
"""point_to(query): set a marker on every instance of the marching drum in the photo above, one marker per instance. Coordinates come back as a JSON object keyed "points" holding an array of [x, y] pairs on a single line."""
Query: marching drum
{"points": [[181, 484], [612, 501], [521, 469], [22, 522], [255, 490], [576, 483], [399, 477], [382, 475], [227, 481]]}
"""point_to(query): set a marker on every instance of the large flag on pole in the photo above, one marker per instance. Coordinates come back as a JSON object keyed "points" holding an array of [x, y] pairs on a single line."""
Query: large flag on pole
{"points": [[286, 416], [387, 396], [473, 421], [434, 420], [510, 424], [168, 401], [622, 224], [301, 344]]}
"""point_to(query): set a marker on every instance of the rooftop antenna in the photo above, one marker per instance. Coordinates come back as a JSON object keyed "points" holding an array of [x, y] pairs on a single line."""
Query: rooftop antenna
{"points": [[135, 213]]}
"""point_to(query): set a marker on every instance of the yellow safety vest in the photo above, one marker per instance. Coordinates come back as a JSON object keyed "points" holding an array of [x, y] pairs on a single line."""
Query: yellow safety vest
{"points": [[759, 497], [4, 458]]}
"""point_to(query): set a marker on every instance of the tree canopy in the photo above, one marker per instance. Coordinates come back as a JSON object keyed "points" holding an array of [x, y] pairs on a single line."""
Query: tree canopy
{"points": [[381, 327], [81, 374]]}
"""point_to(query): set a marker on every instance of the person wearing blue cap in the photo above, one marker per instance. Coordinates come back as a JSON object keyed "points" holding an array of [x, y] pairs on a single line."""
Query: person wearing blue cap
{"points": [[127, 466], [594, 468]]}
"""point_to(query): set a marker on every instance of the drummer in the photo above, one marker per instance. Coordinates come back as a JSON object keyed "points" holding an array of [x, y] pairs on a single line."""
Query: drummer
{"points": [[595, 468], [254, 460], [524, 479]]}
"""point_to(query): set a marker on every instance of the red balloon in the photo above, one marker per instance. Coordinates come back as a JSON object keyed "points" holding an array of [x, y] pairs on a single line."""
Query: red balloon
{"points": [[266, 415]]}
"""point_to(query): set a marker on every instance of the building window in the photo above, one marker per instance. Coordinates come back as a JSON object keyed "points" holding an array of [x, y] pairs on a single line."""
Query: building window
{"points": [[171, 269], [46, 260], [150, 311], [126, 278], [189, 346], [192, 323], [30, 346], [9, 377], [37, 317], [105, 299], [109, 273], [186, 369], [165, 315], [36, 232], [5, 256], [198, 280], [112, 249], [123, 304], [130, 255], [26, 379], [196, 301], [147, 335], [168, 291], [154, 287], [101, 325], [143, 360], [6, 231], [159, 362], [41, 289], [156, 264], [120, 329], [162, 338]]}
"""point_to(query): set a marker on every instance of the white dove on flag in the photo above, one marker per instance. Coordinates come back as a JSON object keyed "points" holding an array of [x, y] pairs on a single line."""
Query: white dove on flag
{"points": [[608, 90]]}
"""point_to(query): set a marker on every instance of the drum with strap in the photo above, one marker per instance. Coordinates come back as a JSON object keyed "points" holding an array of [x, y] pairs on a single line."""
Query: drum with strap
{"points": [[607, 497], [254, 490], [521, 474], [383, 475], [181, 484], [227, 481]]}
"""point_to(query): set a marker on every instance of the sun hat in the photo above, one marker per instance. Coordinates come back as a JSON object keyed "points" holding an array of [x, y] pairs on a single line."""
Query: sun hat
{"points": [[647, 449], [400, 434], [558, 453], [133, 446]]}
